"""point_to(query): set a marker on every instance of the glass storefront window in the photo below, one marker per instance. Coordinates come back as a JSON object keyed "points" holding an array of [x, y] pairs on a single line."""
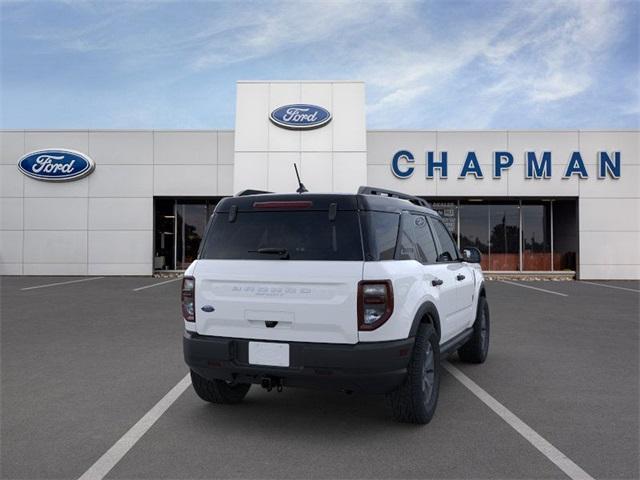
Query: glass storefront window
{"points": [[179, 228], [536, 236], [504, 224], [474, 229], [565, 234]]}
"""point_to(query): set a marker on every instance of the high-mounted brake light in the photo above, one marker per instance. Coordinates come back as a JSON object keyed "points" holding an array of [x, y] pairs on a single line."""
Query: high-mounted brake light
{"points": [[188, 299], [375, 303], [284, 204]]}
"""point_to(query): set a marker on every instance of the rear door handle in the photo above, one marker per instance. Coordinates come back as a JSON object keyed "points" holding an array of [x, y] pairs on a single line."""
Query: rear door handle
{"points": [[460, 277], [436, 282]]}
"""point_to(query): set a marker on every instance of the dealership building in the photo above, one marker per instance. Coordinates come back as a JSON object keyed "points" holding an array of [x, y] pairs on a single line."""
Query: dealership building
{"points": [[133, 202]]}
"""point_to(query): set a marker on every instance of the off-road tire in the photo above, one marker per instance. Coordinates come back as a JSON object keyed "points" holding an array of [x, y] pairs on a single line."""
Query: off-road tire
{"points": [[218, 391], [414, 401], [476, 348]]}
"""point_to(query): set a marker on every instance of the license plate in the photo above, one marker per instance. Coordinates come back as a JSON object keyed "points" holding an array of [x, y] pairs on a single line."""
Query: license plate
{"points": [[273, 354]]}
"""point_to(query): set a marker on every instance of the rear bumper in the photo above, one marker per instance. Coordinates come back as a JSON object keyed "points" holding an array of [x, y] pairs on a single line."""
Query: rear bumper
{"points": [[376, 367]]}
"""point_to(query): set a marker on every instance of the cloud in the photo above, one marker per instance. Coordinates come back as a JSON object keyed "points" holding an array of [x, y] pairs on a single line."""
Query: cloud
{"points": [[436, 64]]}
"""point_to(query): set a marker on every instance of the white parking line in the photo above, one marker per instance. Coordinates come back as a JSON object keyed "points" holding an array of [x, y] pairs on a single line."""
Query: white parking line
{"points": [[111, 457], [61, 283], [534, 288], [611, 286], [563, 462], [157, 284]]}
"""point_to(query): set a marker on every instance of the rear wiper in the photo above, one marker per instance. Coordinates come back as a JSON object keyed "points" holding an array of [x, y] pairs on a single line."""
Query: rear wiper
{"points": [[283, 252]]}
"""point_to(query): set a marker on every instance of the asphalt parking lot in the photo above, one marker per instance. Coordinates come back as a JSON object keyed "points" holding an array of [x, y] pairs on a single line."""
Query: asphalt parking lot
{"points": [[83, 362]]}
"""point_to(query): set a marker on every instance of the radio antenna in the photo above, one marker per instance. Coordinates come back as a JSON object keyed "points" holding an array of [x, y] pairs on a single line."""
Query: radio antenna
{"points": [[301, 188]]}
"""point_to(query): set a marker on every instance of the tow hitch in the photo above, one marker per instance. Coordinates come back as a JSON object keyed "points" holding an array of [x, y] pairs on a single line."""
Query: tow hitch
{"points": [[269, 383]]}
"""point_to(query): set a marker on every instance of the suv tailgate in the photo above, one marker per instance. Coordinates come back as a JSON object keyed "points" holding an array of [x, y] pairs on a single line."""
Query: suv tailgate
{"points": [[305, 301]]}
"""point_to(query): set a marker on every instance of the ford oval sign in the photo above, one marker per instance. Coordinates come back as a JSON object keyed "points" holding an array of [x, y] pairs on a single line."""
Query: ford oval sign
{"points": [[56, 165], [300, 116]]}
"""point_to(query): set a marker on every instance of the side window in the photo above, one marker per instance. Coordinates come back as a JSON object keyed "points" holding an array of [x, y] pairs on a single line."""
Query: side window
{"points": [[424, 240], [407, 245], [447, 251]]}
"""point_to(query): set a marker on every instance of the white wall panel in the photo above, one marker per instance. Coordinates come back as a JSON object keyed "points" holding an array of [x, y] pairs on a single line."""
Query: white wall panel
{"points": [[557, 186], [383, 145], [55, 269], [470, 186], [610, 248], [70, 139], [11, 147], [120, 269], [225, 180], [254, 167], [185, 180], [281, 173], [39, 188], [186, 148], [281, 139], [381, 176], [10, 268], [11, 181], [252, 111], [11, 246], [316, 171], [55, 213], [560, 143], [121, 147], [121, 181], [55, 246], [318, 139], [349, 171], [121, 213], [11, 213], [349, 126], [625, 142], [609, 272], [120, 246], [628, 185], [225, 148], [610, 214]]}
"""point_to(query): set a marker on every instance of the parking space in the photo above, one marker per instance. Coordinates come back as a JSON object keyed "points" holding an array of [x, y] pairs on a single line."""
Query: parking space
{"points": [[83, 362]]}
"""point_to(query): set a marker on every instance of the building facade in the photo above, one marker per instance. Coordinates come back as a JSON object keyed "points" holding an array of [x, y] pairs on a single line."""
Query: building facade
{"points": [[529, 200]]}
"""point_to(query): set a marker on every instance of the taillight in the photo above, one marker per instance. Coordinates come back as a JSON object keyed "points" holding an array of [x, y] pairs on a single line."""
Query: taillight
{"points": [[188, 299], [375, 303]]}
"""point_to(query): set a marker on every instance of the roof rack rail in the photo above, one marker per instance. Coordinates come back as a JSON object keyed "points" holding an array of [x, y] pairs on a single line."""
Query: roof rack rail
{"points": [[365, 190], [250, 191]]}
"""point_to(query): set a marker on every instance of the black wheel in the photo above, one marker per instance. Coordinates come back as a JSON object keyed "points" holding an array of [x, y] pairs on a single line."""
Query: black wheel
{"points": [[416, 399], [218, 391], [477, 347]]}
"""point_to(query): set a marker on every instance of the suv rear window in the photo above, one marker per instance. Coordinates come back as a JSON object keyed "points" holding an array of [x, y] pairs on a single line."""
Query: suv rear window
{"points": [[304, 235]]}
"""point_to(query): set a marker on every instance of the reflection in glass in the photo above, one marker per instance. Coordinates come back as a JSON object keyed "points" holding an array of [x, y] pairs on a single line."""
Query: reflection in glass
{"points": [[536, 236], [565, 234], [474, 229], [504, 253]]}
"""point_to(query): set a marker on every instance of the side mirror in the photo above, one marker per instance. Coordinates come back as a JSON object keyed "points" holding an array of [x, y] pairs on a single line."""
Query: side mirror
{"points": [[471, 255]]}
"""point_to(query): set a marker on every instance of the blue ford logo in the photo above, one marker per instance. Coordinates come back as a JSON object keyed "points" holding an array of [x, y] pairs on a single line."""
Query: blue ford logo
{"points": [[300, 116], [56, 165]]}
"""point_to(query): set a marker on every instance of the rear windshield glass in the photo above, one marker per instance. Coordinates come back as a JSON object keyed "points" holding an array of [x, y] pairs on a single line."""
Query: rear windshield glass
{"points": [[294, 235]]}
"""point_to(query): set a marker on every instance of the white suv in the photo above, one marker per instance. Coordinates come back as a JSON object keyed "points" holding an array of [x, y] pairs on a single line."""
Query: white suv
{"points": [[363, 292]]}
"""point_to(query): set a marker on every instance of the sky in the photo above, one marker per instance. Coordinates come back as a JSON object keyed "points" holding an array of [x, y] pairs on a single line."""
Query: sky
{"points": [[427, 65]]}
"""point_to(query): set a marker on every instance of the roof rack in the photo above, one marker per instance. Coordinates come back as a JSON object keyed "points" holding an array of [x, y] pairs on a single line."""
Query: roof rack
{"points": [[250, 191], [365, 190]]}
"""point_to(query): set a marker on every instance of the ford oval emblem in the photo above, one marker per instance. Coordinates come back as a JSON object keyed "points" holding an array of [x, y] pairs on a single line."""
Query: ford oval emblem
{"points": [[300, 116], [56, 165]]}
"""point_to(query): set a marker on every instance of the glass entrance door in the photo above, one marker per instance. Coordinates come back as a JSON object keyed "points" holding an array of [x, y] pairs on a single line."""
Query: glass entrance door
{"points": [[179, 228]]}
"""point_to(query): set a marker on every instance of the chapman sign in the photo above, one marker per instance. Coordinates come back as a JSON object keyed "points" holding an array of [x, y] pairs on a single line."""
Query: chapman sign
{"points": [[300, 116], [537, 165], [56, 165]]}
